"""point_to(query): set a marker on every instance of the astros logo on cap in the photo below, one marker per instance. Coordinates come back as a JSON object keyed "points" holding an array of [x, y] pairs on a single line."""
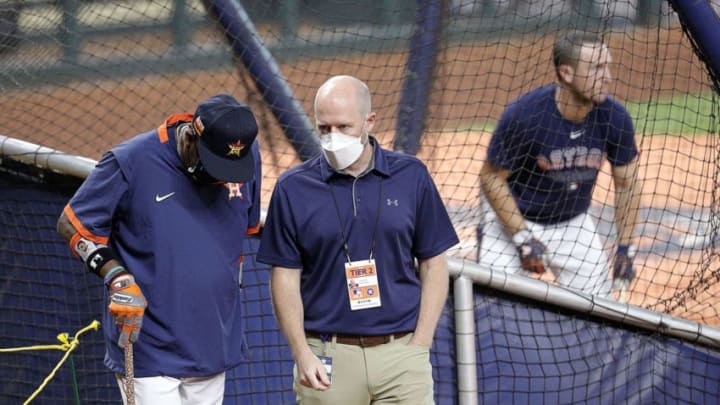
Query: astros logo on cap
{"points": [[235, 148]]}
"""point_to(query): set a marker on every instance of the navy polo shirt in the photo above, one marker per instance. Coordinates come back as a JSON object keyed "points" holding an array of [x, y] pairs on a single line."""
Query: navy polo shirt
{"points": [[394, 210], [182, 242]]}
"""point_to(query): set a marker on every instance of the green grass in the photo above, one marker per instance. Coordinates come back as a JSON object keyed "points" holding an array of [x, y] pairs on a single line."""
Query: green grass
{"points": [[681, 114], [483, 126]]}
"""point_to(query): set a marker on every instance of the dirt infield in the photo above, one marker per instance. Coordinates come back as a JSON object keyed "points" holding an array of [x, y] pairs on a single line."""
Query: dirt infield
{"points": [[474, 83]]}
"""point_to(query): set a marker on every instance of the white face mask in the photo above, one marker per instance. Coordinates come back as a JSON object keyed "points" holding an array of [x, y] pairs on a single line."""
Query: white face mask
{"points": [[341, 150]]}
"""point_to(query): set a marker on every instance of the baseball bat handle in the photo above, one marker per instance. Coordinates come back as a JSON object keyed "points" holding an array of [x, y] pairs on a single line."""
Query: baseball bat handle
{"points": [[129, 374]]}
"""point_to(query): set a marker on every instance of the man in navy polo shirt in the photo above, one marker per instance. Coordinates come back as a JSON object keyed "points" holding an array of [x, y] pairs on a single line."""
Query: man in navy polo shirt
{"points": [[342, 234], [162, 219]]}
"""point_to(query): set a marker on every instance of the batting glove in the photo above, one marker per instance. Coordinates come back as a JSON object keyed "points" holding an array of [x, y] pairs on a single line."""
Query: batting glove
{"points": [[623, 271], [127, 306], [531, 252]]}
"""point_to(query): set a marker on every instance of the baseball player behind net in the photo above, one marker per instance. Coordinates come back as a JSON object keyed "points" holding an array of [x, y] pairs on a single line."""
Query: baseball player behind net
{"points": [[542, 165]]}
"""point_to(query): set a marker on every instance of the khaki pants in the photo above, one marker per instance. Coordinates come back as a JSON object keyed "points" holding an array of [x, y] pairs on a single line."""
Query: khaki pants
{"points": [[392, 373]]}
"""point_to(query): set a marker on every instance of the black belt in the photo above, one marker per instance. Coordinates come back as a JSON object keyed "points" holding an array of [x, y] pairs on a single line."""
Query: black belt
{"points": [[359, 340]]}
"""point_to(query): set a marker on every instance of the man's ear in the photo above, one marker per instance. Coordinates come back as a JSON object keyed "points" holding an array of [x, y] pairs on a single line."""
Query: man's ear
{"points": [[566, 73], [370, 121]]}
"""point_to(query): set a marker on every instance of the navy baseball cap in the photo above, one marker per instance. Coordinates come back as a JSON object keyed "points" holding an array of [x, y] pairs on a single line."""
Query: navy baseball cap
{"points": [[226, 129]]}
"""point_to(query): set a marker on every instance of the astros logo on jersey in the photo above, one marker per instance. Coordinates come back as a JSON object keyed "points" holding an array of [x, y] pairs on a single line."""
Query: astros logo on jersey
{"points": [[234, 190], [235, 148]]}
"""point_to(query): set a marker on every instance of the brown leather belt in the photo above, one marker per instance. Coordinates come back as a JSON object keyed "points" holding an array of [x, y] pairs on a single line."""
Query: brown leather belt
{"points": [[359, 340]]}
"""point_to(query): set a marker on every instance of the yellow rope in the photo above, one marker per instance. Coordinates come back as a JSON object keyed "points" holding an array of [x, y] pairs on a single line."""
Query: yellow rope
{"points": [[67, 346]]}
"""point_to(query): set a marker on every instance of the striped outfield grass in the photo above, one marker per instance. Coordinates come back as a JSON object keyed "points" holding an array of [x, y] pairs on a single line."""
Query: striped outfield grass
{"points": [[681, 114]]}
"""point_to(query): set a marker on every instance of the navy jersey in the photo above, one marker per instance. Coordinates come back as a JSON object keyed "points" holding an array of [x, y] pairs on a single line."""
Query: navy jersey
{"points": [[554, 162], [394, 209], [182, 242]]}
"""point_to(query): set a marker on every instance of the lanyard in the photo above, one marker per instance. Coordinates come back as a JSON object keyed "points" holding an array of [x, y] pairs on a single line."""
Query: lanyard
{"points": [[342, 226]]}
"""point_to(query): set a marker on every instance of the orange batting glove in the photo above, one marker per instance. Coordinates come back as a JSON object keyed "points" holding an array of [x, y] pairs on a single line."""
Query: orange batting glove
{"points": [[127, 306]]}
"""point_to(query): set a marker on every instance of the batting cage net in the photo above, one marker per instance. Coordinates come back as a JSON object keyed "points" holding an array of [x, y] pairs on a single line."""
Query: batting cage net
{"points": [[80, 76]]}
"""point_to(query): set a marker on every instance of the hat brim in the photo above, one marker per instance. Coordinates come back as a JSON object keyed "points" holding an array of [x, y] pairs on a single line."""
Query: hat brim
{"points": [[228, 170]]}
